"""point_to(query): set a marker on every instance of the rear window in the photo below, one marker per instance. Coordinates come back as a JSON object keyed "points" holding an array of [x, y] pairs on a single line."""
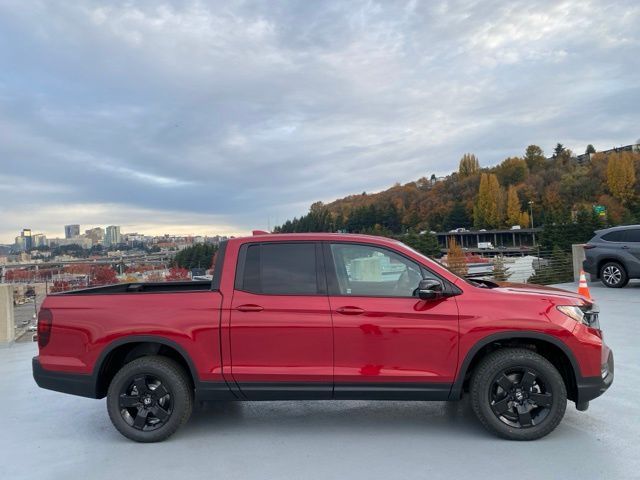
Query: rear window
{"points": [[633, 235], [618, 236], [280, 269]]}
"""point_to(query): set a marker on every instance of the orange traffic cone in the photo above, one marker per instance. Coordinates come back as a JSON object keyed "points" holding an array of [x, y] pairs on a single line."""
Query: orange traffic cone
{"points": [[583, 288]]}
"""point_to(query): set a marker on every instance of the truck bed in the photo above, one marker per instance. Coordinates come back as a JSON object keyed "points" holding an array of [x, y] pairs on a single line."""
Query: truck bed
{"points": [[140, 287]]}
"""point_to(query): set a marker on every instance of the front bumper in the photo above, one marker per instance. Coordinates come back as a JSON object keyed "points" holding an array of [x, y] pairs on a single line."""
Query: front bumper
{"points": [[592, 387], [72, 383]]}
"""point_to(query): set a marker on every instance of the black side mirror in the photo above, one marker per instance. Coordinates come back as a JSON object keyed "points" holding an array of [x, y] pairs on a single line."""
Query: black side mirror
{"points": [[429, 289]]}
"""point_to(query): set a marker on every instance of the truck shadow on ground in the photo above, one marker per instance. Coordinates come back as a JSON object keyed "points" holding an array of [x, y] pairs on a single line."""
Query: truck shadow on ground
{"points": [[334, 416]]}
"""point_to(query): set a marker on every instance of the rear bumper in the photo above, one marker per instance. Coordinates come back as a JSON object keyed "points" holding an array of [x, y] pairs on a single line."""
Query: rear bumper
{"points": [[590, 266], [592, 387], [72, 383]]}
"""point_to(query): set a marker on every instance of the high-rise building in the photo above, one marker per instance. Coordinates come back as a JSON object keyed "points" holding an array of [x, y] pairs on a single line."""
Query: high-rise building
{"points": [[112, 236], [28, 241], [71, 231], [39, 240]]}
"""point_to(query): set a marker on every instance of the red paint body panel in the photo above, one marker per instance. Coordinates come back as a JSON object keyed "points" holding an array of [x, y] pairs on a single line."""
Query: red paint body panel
{"points": [[305, 338]]}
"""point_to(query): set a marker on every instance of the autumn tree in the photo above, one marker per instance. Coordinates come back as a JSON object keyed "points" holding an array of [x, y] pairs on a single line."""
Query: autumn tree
{"points": [[456, 260], [621, 177], [501, 272], [469, 165], [513, 207], [488, 210], [176, 274]]}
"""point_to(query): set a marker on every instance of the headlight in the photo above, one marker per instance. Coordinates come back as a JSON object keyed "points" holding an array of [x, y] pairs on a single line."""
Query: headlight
{"points": [[585, 314]]}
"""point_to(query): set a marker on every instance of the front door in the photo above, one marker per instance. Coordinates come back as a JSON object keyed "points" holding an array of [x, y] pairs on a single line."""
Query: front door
{"points": [[281, 330], [387, 342]]}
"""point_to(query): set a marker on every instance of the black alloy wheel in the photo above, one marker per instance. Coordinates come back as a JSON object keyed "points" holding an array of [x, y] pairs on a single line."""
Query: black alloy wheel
{"points": [[149, 398], [518, 394], [145, 403], [519, 397]]}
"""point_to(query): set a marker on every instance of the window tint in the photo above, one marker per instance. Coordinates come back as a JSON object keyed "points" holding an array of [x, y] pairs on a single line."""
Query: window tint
{"points": [[633, 235], [618, 236], [281, 269], [363, 270]]}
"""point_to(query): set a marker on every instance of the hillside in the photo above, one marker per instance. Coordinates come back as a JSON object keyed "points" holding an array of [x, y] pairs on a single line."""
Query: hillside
{"points": [[560, 188]]}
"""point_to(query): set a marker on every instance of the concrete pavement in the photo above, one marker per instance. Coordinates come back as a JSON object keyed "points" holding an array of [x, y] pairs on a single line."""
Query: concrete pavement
{"points": [[46, 435]]}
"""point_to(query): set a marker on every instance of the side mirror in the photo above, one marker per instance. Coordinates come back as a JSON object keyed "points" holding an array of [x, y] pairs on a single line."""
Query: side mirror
{"points": [[429, 289]]}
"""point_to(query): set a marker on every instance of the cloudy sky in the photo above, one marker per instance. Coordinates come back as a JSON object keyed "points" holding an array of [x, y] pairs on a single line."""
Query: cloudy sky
{"points": [[220, 117]]}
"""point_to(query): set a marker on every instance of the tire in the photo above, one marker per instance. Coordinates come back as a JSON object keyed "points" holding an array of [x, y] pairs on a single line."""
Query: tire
{"points": [[149, 399], [613, 275], [512, 404]]}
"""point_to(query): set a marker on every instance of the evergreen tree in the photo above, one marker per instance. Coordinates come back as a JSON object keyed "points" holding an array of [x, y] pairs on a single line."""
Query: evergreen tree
{"points": [[469, 165], [590, 149]]}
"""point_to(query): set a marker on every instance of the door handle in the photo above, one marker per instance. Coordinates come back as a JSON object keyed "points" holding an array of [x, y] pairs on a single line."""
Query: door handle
{"points": [[249, 308], [350, 310]]}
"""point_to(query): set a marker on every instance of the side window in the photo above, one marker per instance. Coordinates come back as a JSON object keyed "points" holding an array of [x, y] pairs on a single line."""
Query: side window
{"points": [[363, 270], [618, 236], [633, 235], [280, 269]]}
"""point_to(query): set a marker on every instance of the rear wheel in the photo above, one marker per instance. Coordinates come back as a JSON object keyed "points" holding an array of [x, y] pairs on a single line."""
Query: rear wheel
{"points": [[518, 394], [613, 275], [149, 399]]}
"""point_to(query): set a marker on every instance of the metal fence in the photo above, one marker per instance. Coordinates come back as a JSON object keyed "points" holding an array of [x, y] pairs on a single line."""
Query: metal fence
{"points": [[537, 266]]}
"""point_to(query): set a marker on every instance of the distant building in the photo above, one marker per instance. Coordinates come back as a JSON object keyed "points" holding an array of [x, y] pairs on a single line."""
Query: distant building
{"points": [[586, 157], [71, 231], [96, 235], [24, 242], [39, 240], [112, 236]]}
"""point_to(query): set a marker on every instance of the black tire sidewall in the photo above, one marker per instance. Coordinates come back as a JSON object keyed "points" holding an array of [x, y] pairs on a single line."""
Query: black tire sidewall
{"points": [[623, 280], [172, 376], [483, 381]]}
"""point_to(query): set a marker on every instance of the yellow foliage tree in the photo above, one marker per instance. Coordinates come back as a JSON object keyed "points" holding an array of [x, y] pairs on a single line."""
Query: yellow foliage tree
{"points": [[456, 260], [621, 177], [525, 220], [513, 207], [488, 211]]}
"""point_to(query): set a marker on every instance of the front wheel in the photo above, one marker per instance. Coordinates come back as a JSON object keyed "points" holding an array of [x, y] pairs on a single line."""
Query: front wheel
{"points": [[149, 399], [518, 394]]}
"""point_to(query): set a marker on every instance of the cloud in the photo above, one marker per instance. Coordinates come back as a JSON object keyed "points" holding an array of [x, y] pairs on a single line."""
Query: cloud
{"points": [[242, 114]]}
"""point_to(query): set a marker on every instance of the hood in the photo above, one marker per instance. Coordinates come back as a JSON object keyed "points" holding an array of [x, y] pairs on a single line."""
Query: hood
{"points": [[540, 290]]}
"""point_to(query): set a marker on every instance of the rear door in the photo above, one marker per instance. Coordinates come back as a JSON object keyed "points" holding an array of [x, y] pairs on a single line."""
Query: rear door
{"points": [[281, 329], [632, 237], [387, 342]]}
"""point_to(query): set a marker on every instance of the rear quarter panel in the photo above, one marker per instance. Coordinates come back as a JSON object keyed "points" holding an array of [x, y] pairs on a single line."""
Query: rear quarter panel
{"points": [[84, 325]]}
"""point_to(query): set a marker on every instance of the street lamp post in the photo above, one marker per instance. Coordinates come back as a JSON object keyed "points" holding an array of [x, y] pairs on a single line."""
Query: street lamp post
{"points": [[531, 217]]}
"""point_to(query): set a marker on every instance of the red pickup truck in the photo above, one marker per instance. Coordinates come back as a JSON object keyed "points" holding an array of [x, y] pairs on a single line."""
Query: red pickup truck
{"points": [[324, 316]]}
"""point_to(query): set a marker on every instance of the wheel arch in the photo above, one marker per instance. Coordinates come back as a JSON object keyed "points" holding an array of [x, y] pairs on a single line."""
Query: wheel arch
{"points": [[122, 351], [607, 259], [548, 346]]}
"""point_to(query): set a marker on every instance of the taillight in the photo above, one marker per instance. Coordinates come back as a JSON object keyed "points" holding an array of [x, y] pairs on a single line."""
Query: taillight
{"points": [[45, 320], [588, 246]]}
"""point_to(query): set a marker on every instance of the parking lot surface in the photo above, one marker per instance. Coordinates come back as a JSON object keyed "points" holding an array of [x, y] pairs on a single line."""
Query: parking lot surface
{"points": [[46, 435]]}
